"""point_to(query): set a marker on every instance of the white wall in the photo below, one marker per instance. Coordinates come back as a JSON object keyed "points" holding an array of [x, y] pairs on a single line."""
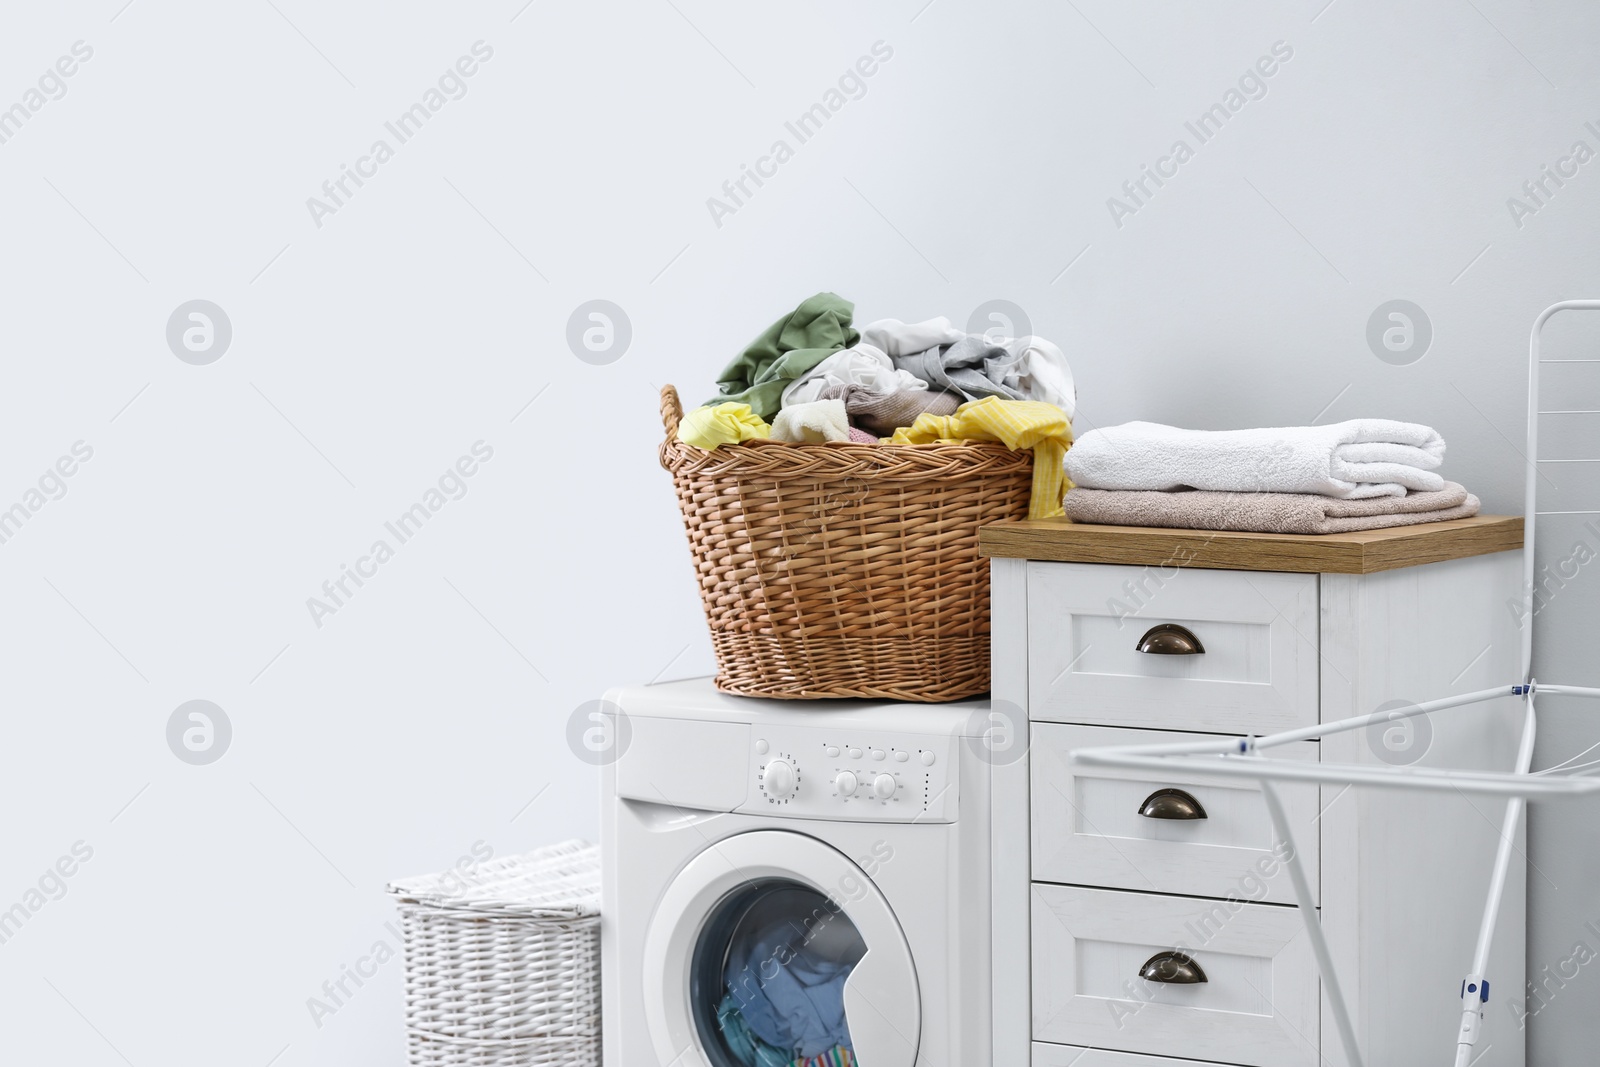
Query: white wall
{"points": [[421, 317]]}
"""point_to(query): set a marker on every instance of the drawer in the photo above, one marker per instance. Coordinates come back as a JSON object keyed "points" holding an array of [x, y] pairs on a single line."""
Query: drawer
{"points": [[1258, 1006], [1257, 672], [1088, 830], [1078, 1056]]}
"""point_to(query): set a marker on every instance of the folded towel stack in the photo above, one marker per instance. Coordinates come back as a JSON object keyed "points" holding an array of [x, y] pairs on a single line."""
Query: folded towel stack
{"points": [[1358, 475]]}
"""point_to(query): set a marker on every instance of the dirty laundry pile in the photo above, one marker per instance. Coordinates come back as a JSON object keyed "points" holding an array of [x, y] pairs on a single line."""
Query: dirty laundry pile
{"points": [[1362, 474], [784, 1005], [813, 378]]}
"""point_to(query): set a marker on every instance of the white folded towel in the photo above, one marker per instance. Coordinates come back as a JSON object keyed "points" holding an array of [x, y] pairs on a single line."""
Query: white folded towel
{"points": [[821, 420], [862, 365], [1350, 460]]}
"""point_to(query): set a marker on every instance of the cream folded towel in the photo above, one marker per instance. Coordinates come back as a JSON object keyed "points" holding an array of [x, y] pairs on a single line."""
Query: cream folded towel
{"points": [[821, 420], [1288, 513], [1352, 460]]}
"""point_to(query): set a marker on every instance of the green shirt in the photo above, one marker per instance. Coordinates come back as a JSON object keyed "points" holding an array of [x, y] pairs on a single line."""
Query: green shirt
{"points": [[788, 348]]}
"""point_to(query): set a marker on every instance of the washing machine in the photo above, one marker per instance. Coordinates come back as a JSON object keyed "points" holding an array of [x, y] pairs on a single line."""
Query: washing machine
{"points": [[794, 881]]}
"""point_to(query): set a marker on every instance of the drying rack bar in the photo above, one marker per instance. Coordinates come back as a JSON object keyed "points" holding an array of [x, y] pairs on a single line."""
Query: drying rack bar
{"points": [[1233, 756]]}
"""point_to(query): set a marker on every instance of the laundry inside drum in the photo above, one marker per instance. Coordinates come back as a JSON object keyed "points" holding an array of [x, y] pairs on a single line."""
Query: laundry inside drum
{"points": [[768, 976]]}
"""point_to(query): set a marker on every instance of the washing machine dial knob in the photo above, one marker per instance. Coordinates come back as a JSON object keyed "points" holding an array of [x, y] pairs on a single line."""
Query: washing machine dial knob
{"points": [[779, 779], [884, 786], [846, 783]]}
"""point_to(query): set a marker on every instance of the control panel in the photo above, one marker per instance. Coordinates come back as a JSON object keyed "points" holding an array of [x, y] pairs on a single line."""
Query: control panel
{"points": [[826, 772]]}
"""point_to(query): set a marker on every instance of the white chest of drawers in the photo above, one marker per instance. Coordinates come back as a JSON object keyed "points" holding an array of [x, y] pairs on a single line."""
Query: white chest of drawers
{"points": [[1103, 874]]}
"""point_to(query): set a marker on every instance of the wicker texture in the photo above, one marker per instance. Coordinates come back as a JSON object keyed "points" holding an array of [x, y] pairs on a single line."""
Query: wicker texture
{"points": [[843, 569], [503, 963]]}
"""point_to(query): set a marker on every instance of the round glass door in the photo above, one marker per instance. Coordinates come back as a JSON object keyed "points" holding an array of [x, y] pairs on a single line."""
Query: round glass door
{"points": [[767, 978], [795, 938]]}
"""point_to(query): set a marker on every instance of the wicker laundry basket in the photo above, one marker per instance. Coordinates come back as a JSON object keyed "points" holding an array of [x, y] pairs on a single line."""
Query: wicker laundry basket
{"points": [[845, 570], [503, 961]]}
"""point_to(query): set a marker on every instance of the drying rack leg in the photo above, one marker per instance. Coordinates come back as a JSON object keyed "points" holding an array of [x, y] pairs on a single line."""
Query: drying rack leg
{"points": [[1475, 987], [1308, 912]]}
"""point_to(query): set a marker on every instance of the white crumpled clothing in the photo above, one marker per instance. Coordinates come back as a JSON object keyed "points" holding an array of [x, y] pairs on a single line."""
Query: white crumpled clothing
{"points": [[1038, 370], [865, 365], [896, 338]]}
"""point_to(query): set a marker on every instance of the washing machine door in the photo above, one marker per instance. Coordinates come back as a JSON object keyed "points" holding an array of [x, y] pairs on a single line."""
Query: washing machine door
{"points": [[771, 946]]}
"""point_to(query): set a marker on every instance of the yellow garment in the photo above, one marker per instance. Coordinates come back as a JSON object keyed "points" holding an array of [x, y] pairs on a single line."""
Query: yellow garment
{"points": [[1016, 424], [721, 424]]}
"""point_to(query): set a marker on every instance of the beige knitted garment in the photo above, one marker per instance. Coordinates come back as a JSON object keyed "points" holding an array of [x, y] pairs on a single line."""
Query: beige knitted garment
{"points": [[884, 413]]}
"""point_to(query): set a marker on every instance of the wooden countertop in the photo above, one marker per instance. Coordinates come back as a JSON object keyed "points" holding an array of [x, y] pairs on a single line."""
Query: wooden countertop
{"points": [[1344, 553]]}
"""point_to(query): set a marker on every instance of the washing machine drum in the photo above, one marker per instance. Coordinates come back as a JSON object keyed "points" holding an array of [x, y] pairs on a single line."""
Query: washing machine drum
{"points": [[772, 948]]}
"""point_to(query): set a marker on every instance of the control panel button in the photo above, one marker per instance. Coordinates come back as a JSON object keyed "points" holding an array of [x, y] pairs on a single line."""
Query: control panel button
{"points": [[832, 751], [762, 748], [853, 753], [901, 756], [846, 783], [877, 754], [927, 759], [883, 786], [779, 779]]}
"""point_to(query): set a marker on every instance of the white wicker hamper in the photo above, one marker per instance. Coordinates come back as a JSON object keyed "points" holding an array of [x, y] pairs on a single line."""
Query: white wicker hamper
{"points": [[503, 961]]}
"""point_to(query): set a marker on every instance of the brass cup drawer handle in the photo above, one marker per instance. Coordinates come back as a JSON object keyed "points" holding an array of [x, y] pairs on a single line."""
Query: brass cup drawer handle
{"points": [[1172, 804], [1172, 968], [1170, 639]]}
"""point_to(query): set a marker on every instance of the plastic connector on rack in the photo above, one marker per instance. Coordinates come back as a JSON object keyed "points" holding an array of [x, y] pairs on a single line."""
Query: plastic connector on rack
{"points": [[1474, 993]]}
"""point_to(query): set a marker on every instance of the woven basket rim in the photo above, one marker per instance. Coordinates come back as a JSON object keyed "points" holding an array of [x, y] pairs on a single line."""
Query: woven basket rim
{"points": [[959, 459], [845, 460], [835, 449], [559, 882]]}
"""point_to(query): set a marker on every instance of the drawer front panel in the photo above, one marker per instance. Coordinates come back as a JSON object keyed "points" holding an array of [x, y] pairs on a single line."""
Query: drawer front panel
{"points": [[1258, 672], [1088, 830], [1258, 1006], [1078, 1056]]}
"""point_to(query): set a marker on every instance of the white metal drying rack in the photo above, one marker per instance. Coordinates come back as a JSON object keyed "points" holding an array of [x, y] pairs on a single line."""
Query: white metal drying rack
{"points": [[1241, 757]]}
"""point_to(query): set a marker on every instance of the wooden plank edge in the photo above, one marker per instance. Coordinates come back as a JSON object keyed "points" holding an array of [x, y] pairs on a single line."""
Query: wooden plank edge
{"points": [[1471, 538], [1357, 553], [1186, 551]]}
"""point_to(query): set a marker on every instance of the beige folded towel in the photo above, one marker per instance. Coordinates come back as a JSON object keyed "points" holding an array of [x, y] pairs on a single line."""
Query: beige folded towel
{"points": [[1289, 513]]}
